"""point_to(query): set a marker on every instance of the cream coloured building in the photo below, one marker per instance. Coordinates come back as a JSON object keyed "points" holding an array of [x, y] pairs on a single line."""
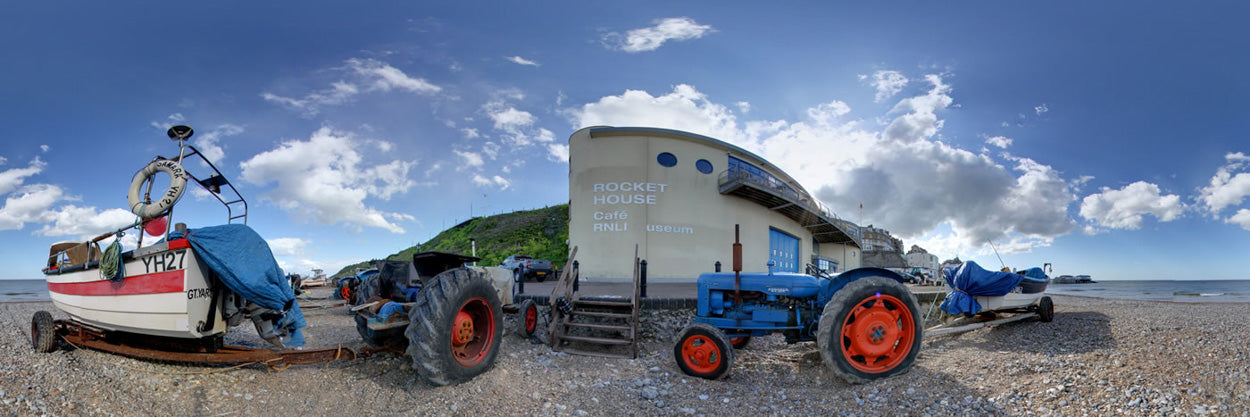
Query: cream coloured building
{"points": [[678, 195]]}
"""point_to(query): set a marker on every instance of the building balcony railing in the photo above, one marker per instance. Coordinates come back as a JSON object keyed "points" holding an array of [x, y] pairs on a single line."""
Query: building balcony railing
{"points": [[771, 192]]}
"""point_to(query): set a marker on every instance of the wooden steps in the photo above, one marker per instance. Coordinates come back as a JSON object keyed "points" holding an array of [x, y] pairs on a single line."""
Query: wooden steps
{"points": [[593, 327]]}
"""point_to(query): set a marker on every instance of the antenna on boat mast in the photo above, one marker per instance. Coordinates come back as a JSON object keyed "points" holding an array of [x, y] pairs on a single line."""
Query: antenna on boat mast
{"points": [[180, 133], [1000, 258]]}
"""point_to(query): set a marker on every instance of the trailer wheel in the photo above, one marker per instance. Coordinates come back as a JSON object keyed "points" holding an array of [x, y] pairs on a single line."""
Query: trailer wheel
{"points": [[529, 317], [703, 351], [456, 325], [43, 332], [869, 331], [1046, 309]]}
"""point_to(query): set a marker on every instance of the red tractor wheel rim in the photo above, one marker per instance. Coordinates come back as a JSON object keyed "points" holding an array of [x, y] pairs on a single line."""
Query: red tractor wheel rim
{"points": [[473, 332], [531, 319], [346, 293], [878, 334], [700, 354]]}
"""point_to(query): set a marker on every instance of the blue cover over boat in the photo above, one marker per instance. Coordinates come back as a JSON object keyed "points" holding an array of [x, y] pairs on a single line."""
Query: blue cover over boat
{"points": [[970, 280], [243, 262]]}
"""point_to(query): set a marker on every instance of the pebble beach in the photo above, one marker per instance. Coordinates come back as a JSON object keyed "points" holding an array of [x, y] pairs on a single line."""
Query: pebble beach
{"points": [[1098, 357]]}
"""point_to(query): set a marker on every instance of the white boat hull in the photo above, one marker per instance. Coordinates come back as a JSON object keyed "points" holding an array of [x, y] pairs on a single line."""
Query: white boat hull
{"points": [[165, 292], [1010, 301]]}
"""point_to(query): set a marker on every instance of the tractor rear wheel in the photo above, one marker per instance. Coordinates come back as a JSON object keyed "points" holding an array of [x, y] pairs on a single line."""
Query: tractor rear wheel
{"points": [[703, 351], [43, 332], [869, 330], [529, 317], [456, 326]]}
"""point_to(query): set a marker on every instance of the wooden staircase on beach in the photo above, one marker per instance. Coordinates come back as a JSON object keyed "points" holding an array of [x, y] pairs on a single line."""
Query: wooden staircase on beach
{"points": [[593, 326]]}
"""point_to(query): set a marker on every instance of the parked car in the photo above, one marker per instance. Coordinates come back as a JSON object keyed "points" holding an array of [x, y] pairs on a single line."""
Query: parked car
{"points": [[525, 266]]}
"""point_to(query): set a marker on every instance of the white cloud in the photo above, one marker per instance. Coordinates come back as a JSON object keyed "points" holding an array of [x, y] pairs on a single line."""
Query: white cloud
{"points": [[29, 204], [1225, 188], [1242, 218], [469, 159], [470, 133], [651, 38], [510, 118], [11, 179], [558, 152], [1041, 109], [743, 107], [1124, 208], [366, 75], [288, 246], [84, 222], [888, 83], [495, 181], [208, 142], [908, 182], [326, 180], [999, 141], [521, 61], [45, 148]]}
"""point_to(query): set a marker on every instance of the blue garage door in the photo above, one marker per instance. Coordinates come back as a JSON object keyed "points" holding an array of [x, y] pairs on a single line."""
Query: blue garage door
{"points": [[784, 250]]}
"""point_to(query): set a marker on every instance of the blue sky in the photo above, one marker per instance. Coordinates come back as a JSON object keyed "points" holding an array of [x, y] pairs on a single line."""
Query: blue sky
{"points": [[1105, 139]]}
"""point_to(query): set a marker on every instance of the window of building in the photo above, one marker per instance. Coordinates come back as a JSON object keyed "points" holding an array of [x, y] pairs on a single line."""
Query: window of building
{"points": [[703, 166], [666, 159]]}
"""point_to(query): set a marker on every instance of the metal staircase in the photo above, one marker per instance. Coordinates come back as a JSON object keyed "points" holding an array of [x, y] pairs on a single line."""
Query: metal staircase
{"points": [[593, 326]]}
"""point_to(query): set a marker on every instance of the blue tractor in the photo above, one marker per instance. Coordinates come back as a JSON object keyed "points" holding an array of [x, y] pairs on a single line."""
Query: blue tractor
{"points": [[864, 321]]}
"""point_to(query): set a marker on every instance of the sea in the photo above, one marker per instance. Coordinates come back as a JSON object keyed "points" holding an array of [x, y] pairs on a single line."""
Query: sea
{"points": [[1184, 291]]}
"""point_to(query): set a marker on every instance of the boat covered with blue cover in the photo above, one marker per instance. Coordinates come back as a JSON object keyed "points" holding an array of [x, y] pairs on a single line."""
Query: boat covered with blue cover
{"points": [[969, 281], [242, 260]]}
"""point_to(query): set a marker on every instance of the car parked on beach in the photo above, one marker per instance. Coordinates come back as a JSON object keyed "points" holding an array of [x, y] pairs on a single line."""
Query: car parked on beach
{"points": [[525, 266]]}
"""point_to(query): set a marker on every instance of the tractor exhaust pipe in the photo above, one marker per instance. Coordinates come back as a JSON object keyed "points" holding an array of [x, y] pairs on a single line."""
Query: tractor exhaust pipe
{"points": [[737, 250]]}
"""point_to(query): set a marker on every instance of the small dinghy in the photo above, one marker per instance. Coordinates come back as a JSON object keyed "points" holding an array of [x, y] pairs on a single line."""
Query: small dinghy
{"points": [[974, 290]]}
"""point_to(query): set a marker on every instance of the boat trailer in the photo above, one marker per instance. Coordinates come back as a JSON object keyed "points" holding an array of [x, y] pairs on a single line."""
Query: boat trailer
{"points": [[203, 351], [972, 323]]}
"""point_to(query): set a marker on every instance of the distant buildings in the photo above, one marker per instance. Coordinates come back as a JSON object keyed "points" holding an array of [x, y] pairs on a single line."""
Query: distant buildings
{"points": [[917, 257]]}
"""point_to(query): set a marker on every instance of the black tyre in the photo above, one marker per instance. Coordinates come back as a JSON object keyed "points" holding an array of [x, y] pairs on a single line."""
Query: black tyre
{"points": [[540, 278], [456, 326], [1046, 309], [870, 330], [703, 351], [369, 287], [43, 332], [529, 317]]}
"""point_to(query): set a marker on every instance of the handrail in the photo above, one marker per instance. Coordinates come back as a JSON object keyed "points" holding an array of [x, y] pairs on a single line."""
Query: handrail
{"points": [[769, 182]]}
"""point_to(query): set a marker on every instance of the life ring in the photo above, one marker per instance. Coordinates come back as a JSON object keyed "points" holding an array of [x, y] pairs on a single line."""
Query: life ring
{"points": [[164, 201]]}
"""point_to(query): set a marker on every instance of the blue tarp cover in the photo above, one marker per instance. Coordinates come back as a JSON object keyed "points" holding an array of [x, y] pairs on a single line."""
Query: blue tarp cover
{"points": [[243, 262], [970, 280]]}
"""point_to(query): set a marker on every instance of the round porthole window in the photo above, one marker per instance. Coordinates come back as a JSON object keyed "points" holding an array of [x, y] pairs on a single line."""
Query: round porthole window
{"points": [[703, 166], [666, 159]]}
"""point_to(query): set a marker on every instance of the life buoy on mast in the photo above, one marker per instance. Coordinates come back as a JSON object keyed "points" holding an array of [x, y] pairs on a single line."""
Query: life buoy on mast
{"points": [[163, 202]]}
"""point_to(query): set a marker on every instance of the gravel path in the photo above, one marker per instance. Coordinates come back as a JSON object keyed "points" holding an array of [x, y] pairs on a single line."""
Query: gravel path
{"points": [[1099, 357]]}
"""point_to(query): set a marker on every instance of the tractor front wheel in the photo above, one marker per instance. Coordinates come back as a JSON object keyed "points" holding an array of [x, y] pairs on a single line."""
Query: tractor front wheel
{"points": [[869, 330], [456, 326], [703, 351], [529, 317]]}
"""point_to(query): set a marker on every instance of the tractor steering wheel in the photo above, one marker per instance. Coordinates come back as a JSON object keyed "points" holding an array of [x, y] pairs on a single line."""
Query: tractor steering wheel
{"points": [[817, 272]]}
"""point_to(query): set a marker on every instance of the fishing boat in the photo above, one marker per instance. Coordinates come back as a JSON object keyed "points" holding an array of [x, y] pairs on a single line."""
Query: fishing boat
{"points": [[188, 284], [975, 290]]}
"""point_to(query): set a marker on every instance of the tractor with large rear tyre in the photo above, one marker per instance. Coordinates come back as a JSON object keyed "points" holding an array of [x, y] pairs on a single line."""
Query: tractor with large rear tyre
{"points": [[864, 321], [445, 316]]}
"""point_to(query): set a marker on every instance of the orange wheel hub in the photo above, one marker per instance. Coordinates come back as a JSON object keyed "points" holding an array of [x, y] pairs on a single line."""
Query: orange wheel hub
{"points": [[531, 319], [700, 354], [472, 332], [878, 334]]}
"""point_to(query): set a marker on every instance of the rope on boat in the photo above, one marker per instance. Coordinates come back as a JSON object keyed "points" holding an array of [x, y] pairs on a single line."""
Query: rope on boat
{"points": [[111, 267]]}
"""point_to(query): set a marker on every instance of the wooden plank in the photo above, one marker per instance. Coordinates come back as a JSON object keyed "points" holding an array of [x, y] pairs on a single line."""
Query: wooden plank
{"points": [[598, 354], [601, 326], [603, 303], [602, 314], [938, 331], [596, 340]]}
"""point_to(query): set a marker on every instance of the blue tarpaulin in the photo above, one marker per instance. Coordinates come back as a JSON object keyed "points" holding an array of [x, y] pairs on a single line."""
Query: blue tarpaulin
{"points": [[970, 280], [243, 262]]}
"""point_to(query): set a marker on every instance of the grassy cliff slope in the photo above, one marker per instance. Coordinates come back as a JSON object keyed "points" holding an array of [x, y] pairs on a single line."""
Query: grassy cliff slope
{"points": [[541, 233]]}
